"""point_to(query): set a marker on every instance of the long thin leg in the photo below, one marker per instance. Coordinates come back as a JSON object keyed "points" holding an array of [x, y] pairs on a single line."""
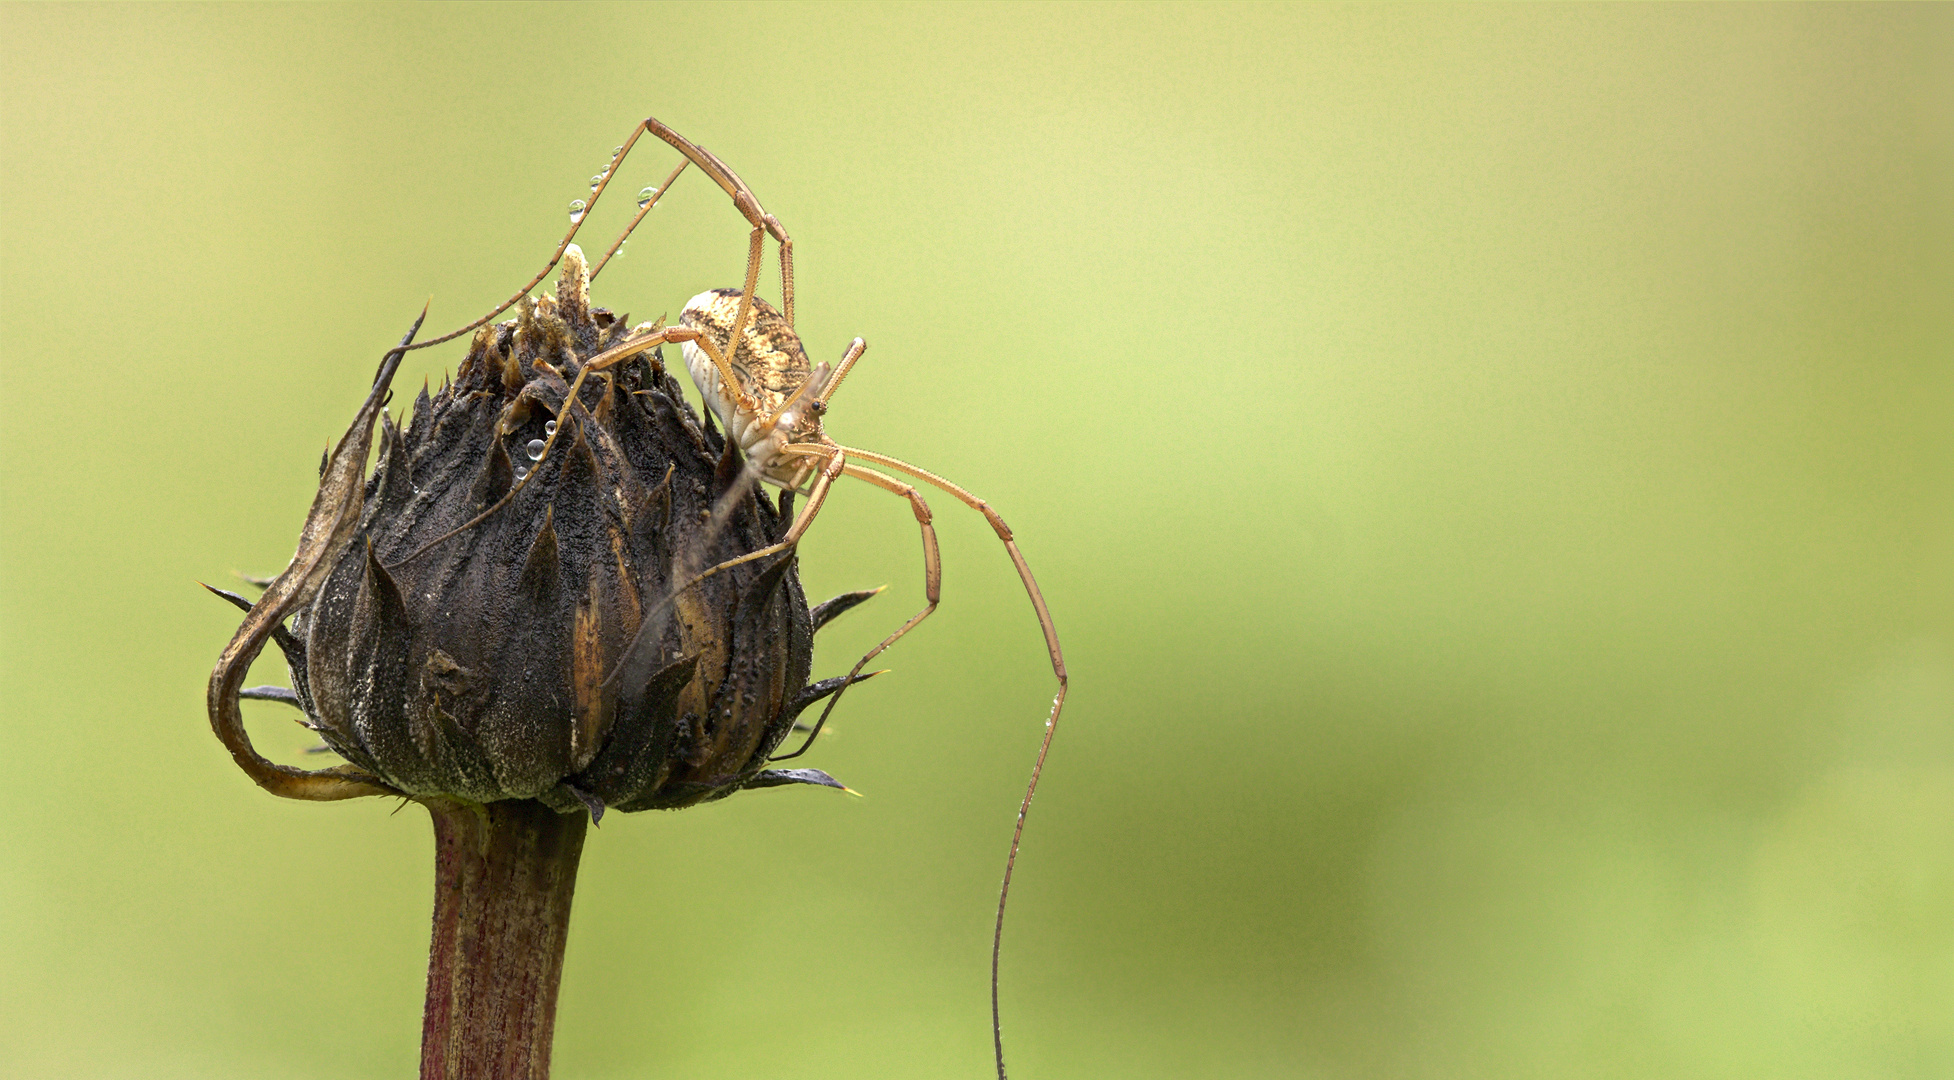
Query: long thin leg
{"points": [[855, 350], [643, 209], [1003, 533], [932, 590], [787, 280], [564, 245], [744, 201], [722, 174], [730, 381], [745, 312], [1051, 722]]}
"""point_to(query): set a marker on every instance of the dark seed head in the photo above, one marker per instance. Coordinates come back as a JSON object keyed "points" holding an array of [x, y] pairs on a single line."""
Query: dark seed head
{"points": [[502, 622]]}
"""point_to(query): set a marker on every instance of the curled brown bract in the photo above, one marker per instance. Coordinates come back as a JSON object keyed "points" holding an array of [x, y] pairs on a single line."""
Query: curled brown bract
{"points": [[334, 516]]}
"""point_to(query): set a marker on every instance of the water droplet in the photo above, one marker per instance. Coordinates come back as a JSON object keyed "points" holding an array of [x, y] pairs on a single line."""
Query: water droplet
{"points": [[598, 179], [549, 428], [615, 151], [647, 195], [521, 472], [576, 210], [534, 449]]}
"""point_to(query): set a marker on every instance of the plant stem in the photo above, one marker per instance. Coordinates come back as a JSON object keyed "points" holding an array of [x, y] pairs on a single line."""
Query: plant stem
{"points": [[503, 878]]}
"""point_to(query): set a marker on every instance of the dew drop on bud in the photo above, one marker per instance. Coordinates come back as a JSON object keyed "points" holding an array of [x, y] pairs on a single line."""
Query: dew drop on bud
{"points": [[549, 428], [534, 449], [576, 210], [647, 195]]}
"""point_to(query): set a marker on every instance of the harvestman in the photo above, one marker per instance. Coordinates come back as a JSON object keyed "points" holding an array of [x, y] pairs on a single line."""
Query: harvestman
{"points": [[751, 369]]}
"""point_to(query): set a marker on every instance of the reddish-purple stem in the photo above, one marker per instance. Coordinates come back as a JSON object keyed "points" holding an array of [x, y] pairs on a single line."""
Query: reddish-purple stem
{"points": [[503, 879]]}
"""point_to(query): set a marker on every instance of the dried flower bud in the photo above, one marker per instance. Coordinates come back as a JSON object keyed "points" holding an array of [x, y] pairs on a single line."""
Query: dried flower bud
{"points": [[501, 624]]}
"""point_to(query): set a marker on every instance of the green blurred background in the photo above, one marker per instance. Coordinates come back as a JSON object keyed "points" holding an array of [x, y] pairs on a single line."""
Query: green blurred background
{"points": [[1493, 469]]}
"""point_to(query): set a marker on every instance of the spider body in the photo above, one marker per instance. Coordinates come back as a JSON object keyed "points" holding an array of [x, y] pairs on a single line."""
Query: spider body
{"points": [[773, 372]]}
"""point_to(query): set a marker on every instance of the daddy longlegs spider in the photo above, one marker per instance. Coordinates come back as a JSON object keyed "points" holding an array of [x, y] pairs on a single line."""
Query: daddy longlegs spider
{"points": [[753, 372]]}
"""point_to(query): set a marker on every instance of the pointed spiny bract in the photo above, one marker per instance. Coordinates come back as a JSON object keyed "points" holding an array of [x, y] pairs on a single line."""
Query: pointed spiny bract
{"points": [[542, 568], [495, 477]]}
